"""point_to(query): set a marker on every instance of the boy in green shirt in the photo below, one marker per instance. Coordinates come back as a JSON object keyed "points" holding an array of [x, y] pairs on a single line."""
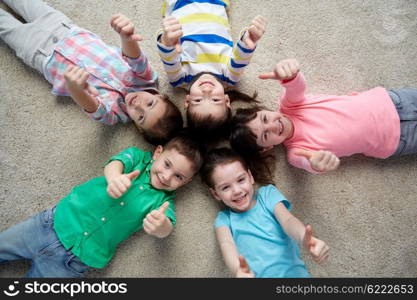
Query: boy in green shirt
{"points": [[85, 228]]}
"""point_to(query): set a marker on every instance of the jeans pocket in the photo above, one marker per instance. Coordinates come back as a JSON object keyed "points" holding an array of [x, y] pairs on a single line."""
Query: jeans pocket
{"points": [[51, 248], [75, 265]]}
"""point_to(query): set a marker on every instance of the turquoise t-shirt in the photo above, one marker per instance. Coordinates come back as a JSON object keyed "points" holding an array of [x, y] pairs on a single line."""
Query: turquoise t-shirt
{"points": [[259, 237]]}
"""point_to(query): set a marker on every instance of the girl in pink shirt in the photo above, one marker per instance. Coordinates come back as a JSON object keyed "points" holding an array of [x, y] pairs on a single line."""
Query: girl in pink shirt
{"points": [[318, 129]]}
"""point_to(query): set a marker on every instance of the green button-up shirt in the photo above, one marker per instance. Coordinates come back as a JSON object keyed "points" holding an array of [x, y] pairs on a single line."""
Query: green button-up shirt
{"points": [[92, 223]]}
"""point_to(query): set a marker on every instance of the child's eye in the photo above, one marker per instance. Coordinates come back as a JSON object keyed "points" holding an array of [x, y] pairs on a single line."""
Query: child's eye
{"points": [[166, 164], [141, 117], [265, 136], [265, 119], [224, 188], [216, 99], [241, 179], [197, 100], [179, 177], [150, 103]]}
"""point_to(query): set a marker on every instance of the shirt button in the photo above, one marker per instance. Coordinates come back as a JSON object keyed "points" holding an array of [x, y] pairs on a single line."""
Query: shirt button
{"points": [[55, 39], [122, 203], [141, 187], [103, 219], [86, 233]]}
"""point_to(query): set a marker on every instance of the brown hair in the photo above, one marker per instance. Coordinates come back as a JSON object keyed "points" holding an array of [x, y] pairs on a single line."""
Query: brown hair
{"points": [[167, 126], [217, 157], [210, 128], [243, 141], [186, 145]]}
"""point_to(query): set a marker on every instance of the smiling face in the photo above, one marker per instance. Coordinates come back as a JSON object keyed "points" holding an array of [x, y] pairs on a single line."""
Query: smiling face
{"points": [[145, 109], [233, 185], [207, 97], [170, 170], [270, 128]]}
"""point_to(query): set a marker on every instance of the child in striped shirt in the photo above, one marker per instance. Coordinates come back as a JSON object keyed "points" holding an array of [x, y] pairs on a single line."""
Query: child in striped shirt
{"points": [[198, 54], [110, 85]]}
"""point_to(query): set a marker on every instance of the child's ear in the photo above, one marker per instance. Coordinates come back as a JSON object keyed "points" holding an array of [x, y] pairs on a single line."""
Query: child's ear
{"points": [[226, 97], [187, 101], [158, 150], [214, 194]]}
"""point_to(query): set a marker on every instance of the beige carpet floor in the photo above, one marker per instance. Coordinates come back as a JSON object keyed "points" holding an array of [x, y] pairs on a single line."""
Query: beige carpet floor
{"points": [[366, 211]]}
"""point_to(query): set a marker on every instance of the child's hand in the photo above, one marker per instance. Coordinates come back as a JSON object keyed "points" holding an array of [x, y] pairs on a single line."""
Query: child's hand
{"points": [[254, 32], [125, 28], [172, 33], [317, 248], [244, 270], [322, 161], [157, 223], [286, 69], [76, 80], [118, 185]]}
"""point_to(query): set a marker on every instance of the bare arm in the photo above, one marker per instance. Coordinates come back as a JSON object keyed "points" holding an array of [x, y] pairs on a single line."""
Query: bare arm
{"points": [[129, 40], [302, 234], [228, 248], [291, 225]]}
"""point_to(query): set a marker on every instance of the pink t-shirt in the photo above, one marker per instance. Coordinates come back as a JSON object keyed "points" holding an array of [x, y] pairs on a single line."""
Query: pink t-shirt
{"points": [[366, 123]]}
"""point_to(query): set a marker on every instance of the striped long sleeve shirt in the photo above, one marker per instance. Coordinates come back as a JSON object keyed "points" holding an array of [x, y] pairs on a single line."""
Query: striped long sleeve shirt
{"points": [[207, 45]]}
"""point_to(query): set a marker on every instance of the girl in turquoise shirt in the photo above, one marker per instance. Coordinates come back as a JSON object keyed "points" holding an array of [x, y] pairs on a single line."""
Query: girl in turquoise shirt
{"points": [[256, 233]]}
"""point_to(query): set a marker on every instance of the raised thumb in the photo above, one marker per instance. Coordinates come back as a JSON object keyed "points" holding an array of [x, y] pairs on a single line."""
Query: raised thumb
{"points": [[163, 208], [178, 48], [270, 75], [133, 175], [243, 264], [308, 235], [305, 153]]}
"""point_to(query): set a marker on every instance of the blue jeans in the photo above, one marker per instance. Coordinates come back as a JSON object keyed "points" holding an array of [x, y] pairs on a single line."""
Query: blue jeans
{"points": [[35, 239], [405, 101]]}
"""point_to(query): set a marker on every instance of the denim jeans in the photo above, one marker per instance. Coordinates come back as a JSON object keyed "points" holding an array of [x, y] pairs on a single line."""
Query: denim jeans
{"points": [[35, 239], [405, 101]]}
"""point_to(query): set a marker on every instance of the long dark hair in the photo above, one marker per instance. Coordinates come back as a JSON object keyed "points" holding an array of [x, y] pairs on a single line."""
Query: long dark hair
{"points": [[243, 141]]}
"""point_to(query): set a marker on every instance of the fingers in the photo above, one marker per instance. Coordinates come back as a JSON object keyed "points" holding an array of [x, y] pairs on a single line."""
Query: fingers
{"points": [[324, 161], [319, 250], [243, 264], [305, 153], [269, 75], [76, 76], [120, 184], [172, 33], [308, 234], [133, 175], [125, 27], [163, 207], [286, 69], [153, 221], [255, 32]]}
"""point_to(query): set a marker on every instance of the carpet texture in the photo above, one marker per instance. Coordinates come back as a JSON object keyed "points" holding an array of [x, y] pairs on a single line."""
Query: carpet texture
{"points": [[366, 211]]}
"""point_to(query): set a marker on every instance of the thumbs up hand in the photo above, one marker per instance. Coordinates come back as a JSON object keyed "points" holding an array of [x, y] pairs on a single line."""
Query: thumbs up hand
{"points": [[286, 69], [317, 248], [244, 271], [172, 33], [322, 161], [118, 185], [157, 223]]}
